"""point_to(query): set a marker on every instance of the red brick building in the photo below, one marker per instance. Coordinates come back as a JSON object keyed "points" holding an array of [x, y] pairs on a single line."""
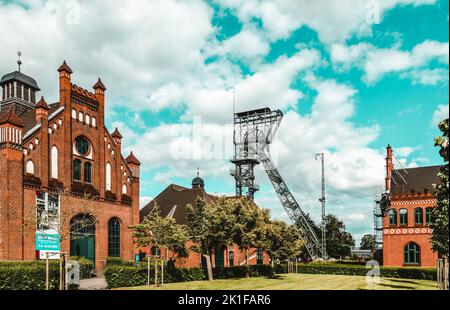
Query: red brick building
{"points": [[406, 231], [172, 202], [57, 162]]}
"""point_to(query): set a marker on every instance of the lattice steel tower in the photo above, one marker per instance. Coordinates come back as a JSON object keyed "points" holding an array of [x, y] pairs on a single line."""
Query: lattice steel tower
{"points": [[253, 133]]}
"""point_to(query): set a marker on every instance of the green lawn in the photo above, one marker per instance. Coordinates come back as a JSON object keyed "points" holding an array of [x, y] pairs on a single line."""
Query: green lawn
{"points": [[298, 282]]}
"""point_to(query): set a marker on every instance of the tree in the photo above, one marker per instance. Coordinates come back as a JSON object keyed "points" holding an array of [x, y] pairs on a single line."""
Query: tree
{"points": [[368, 242], [164, 232], [284, 241], [339, 242], [440, 224], [251, 224], [210, 227]]}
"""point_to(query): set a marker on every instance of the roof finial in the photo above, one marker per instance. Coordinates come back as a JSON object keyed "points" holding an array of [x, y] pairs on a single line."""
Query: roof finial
{"points": [[198, 172], [19, 62]]}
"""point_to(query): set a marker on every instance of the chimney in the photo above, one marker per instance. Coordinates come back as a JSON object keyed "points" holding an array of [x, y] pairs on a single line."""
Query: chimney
{"points": [[389, 168]]}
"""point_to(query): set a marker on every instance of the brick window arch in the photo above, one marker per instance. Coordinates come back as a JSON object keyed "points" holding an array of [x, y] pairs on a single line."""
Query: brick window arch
{"points": [[124, 189]]}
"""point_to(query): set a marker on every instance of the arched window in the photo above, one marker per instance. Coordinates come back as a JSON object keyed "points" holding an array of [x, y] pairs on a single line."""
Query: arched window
{"points": [[412, 254], [428, 215], [418, 216], [94, 121], [80, 117], [403, 217], [87, 173], [108, 176], [114, 237], [77, 170], [74, 114], [54, 163], [393, 217], [30, 167], [88, 119], [124, 189]]}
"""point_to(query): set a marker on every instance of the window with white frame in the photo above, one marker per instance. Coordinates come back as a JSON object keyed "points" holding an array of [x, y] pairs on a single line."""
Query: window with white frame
{"points": [[54, 163]]}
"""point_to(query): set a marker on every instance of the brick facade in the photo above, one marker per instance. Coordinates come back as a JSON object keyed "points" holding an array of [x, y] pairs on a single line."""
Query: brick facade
{"points": [[406, 222], [42, 159]]}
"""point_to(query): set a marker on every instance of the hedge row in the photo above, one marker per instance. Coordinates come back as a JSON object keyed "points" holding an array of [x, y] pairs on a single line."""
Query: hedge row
{"points": [[127, 276], [359, 270], [30, 275]]}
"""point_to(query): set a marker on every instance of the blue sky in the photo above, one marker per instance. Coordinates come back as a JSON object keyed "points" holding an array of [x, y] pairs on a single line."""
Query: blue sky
{"points": [[348, 86]]}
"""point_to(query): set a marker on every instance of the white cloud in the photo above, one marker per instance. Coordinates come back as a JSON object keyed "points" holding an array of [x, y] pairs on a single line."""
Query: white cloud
{"points": [[440, 114], [136, 46], [334, 20], [378, 62]]}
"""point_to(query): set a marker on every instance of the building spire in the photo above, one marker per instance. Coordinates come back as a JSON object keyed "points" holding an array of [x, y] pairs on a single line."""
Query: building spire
{"points": [[19, 62], [198, 172]]}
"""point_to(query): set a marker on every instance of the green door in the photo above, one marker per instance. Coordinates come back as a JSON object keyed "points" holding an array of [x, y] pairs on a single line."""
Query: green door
{"points": [[219, 259], [82, 237]]}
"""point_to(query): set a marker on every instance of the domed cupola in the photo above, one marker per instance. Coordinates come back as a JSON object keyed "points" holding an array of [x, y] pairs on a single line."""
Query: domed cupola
{"points": [[198, 182], [18, 89]]}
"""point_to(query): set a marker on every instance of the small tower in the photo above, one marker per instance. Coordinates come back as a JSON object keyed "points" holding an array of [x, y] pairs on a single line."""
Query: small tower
{"points": [[41, 110], [64, 85], [18, 90], [11, 186], [198, 182], [99, 91]]}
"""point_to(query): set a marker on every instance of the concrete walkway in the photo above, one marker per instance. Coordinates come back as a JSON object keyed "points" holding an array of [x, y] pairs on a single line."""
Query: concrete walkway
{"points": [[97, 283]]}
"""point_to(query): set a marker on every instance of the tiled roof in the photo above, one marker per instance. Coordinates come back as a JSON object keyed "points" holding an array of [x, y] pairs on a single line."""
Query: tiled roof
{"points": [[42, 104], [29, 117], [116, 134], [175, 195], [418, 180], [65, 67], [131, 159], [99, 84], [8, 116]]}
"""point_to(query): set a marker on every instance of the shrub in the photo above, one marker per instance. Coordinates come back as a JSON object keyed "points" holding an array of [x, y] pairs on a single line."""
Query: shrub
{"points": [[28, 275], [361, 270]]}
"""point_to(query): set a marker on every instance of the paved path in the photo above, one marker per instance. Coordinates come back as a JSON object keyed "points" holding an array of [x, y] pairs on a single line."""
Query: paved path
{"points": [[97, 283]]}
